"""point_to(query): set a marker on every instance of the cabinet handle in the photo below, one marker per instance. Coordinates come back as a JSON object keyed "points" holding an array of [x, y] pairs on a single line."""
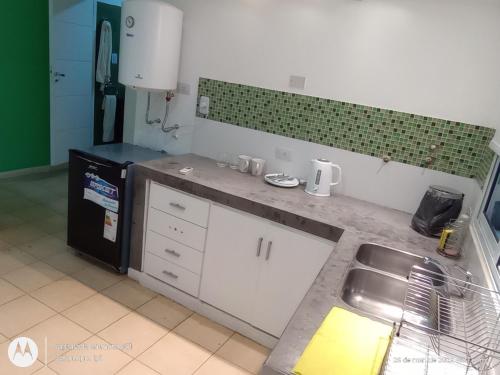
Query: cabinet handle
{"points": [[177, 205], [268, 253], [173, 252], [259, 246], [170, 274]]}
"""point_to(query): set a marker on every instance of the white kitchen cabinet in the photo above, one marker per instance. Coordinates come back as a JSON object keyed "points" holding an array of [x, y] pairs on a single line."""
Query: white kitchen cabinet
{"points": [[257, 270], [288, 271], [231, 266]]}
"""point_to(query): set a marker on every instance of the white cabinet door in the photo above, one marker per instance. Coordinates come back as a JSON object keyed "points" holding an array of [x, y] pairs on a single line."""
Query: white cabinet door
{"points": [[291, 263], [231, 266]]}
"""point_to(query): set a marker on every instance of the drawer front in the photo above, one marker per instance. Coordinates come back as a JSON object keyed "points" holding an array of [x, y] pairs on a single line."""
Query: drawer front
{"points": [[179, 230], [174, 252], [172, 274], [179, 204]]}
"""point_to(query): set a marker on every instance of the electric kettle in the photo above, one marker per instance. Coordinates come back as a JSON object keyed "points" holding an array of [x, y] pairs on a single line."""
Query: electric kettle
{"points": [[321, 177]]}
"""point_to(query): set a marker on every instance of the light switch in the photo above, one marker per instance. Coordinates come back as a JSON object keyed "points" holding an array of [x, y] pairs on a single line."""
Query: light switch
{"points": [[298, 82]]}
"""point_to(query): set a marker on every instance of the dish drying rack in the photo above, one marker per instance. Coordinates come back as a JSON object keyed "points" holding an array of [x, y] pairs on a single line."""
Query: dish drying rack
{"points": [[454, 324]]}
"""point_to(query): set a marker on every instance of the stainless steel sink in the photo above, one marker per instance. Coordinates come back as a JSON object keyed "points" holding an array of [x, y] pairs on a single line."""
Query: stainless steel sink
{"points": [[377, 282], [375, 293], [395, 262]]}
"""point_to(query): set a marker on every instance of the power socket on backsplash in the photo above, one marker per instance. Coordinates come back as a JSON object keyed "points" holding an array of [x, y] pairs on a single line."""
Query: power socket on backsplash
{"points": [[283, 154]]}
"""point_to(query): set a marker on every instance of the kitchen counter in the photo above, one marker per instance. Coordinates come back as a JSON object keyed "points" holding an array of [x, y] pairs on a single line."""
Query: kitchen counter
{"points": [[347, 221]]}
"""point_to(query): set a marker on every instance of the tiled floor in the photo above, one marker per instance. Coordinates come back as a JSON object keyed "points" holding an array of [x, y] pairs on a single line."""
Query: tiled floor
{"points": [[93, 320]]}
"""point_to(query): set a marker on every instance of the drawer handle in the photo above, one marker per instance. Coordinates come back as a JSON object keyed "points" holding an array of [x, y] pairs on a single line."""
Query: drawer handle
{"points": [[269, 245], [170, 274], [178, 206], [259, 246], [173, 252]]}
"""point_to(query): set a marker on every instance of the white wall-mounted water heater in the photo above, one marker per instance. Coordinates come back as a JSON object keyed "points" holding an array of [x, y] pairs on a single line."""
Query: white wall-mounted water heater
{"points": [[150, 45]]}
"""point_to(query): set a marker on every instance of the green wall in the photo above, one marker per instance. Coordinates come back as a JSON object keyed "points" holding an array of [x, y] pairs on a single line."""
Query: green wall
{"points": [[24, 95]]}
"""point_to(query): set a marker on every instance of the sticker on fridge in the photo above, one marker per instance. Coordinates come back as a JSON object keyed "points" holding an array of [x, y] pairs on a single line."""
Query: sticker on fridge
{"points": [[110, 225], [101, 192]]}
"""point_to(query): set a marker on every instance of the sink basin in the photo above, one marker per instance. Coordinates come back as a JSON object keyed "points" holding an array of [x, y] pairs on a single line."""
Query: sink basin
{"points": [[375, 293], [396, 262]]}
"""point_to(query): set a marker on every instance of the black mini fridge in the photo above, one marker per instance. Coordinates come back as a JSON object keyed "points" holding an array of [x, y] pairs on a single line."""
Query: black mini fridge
{"points": [[100, 183]]}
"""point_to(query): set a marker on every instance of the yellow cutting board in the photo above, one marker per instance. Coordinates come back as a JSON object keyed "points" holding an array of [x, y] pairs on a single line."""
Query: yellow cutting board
{"points": [[345, 344]]}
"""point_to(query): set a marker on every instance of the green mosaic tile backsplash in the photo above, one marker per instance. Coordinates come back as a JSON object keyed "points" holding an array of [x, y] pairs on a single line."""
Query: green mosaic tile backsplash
{"points": [[462, 149]]}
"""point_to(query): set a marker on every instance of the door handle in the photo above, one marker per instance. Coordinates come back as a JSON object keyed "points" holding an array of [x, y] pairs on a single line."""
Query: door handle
{"points": [[173, 252], [177, 205], [58, 74], [269, 246], [170, 274], [259, 246]]}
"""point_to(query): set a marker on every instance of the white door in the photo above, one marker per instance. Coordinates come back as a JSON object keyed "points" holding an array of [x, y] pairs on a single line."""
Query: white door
{"points": [[232, 263], [291, 263], [72, 30]]}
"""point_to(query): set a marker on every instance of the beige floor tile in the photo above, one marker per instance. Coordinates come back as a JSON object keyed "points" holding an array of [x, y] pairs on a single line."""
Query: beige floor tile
{"points": [[99, 359], [68, 262], [36, 212], [218, 366], [4, 245], [12, 258], [53, 224], [165, 312], [203, 332], [33, 276], [8, 292], [244, 352], [62, 235], [98, 278], [45, 247], [7, 368], [174, 354], [96, 313], [63, 293], [8, 220], [15, 204], [137, 368], [22, 234], [133, 328], [20, 314], [2, 339], [129, 293], [59, 205], [60, 332], [45, 371]]}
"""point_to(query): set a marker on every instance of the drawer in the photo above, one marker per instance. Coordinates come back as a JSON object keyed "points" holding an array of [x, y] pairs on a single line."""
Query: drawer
{"points": [[174, 252], [172, 274], [179, 204], [179, 230]]}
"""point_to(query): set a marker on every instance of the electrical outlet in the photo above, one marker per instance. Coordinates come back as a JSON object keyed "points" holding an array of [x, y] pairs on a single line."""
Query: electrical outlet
{"points": [[183, 88], [204, 105], [283, 154], [298, 82]]}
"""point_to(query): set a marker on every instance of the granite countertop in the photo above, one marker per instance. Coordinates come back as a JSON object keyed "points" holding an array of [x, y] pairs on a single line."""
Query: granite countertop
{"points": [[347, 221]]}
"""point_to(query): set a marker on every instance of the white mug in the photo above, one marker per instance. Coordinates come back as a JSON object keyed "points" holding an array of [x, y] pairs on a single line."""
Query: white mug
{"points": [[258, 166], [244, 163]]}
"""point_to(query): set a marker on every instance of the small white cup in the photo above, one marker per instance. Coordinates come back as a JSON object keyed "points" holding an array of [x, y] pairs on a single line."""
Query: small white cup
{"points": [[258, 166], [244, 163]]}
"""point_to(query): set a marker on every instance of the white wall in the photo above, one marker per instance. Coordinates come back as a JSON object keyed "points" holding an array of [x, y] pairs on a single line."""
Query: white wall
{"points": [[432, 58], [393, 185]]}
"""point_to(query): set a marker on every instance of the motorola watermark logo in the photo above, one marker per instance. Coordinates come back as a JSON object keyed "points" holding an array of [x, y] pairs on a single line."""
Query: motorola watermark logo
{"points": [[23, 352]]}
